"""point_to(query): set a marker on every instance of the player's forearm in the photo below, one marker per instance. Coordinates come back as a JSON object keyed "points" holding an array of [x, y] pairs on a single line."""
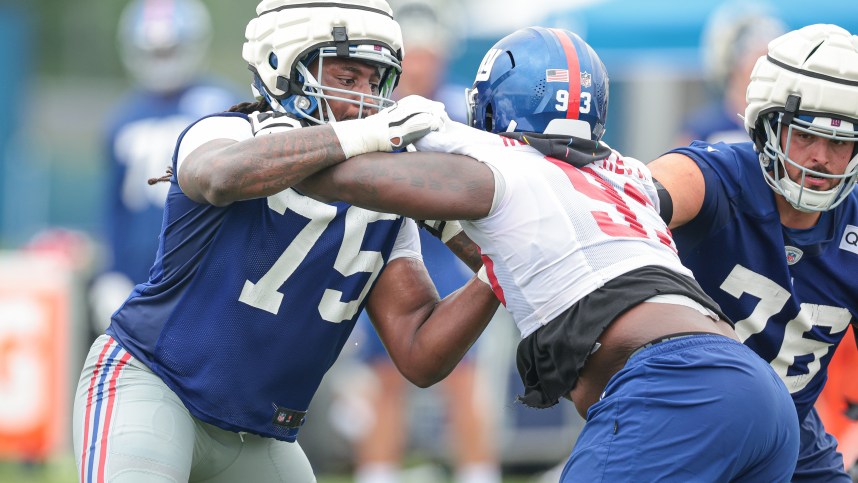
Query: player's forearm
{"points": [[258, 167], [418, 185], [441, 342], [466, 250]]}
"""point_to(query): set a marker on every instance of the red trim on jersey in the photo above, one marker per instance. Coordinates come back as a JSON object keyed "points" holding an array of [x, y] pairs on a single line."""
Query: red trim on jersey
{"points": [[574, 73], [493, 280]]}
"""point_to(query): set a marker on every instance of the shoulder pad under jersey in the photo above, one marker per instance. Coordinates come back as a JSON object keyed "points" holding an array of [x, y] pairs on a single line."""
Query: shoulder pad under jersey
{"points": [[271, 122]]}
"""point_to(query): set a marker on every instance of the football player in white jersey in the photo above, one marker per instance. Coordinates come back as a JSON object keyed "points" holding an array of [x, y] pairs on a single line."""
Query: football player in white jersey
{"points": [[770, 226], [208, 368], [573, 245]]}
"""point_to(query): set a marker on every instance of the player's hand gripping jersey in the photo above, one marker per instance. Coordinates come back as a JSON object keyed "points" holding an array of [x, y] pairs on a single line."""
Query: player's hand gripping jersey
{"points": [[791, 305], [543, 252], [245, 263]]}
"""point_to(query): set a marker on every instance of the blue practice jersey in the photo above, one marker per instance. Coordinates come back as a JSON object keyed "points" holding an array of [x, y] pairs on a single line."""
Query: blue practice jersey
{"points": [[792, 293], [248, 305], [141, 135]]}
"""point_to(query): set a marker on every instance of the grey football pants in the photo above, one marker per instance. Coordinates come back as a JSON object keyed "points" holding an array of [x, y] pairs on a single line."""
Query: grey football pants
{"points": [[128, 426]]}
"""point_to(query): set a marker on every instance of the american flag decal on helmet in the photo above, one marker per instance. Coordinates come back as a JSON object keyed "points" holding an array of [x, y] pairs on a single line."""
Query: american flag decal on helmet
{"points": [[556, 75]]}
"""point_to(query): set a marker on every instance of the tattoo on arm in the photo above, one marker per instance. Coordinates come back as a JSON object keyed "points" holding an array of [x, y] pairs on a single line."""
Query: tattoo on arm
{"points": [[466, 250], [279, 161], [261, 166]]}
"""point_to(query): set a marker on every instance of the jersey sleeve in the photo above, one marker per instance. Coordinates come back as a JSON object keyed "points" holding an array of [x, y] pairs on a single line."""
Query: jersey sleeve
{"points": [[235, 127], [639, 174], [722, 161], [723, 175], [407, 242]]}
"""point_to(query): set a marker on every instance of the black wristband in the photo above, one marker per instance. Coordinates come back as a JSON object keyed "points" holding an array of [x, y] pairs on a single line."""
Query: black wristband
{"points": [[665, 202]]}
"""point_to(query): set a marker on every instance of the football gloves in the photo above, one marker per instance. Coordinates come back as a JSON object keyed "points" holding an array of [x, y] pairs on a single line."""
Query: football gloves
{"points": [[444, 230], [392, 128]]}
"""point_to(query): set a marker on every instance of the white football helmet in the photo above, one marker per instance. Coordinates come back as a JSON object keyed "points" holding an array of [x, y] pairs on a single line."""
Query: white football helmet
{"points": [[163, 43], [288, 35], [808, 81]]}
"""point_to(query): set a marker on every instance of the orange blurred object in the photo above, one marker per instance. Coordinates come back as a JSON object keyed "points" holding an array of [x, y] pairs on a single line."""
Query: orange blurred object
{"points": [[841, 393], [35, 299]]}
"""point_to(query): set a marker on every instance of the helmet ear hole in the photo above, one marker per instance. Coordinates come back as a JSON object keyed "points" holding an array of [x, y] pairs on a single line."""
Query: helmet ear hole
{"points": [[511, 59], [489, 124]]}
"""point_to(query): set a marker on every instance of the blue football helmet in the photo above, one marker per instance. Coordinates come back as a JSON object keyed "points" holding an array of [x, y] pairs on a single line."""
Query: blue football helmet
{"points": [[164, 43], [538, 75]]}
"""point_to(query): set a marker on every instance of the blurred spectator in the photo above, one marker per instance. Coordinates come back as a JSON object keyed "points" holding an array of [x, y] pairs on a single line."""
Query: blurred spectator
{"points": [[430, 37], [734, 37], [163, 45]]}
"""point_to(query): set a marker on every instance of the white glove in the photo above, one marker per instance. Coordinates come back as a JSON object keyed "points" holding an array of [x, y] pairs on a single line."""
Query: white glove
{"points": [[393, 128], [457, 138], [444, 230]]}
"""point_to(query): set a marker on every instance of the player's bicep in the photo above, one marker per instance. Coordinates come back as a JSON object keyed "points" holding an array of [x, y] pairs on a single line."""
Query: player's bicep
{"points": [[197, 172], [683, 180], [401, 299], [199, 149]]}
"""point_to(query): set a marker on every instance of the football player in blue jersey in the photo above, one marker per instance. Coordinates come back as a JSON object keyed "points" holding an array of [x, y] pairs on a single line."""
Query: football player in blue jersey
{"points": [[163, 44], [208, 368], [770, 226], [575, 248], [735, 35]]}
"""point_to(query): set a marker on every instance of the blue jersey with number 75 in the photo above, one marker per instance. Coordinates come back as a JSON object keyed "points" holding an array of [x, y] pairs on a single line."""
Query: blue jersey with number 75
{"points": [[248, 305]]}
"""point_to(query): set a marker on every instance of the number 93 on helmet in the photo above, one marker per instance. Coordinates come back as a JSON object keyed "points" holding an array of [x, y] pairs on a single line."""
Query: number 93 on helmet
{"points": [[539, 76]]}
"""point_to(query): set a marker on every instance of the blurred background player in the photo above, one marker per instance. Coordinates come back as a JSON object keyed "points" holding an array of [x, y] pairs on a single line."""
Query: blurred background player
{"points": [[163, 45], [735, 35], [430, 35]]}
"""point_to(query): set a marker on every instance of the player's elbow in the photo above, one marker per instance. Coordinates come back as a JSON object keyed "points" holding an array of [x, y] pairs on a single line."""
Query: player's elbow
{"points": [[218, 194], [211, 187], [424, 382], [426, 376]]}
